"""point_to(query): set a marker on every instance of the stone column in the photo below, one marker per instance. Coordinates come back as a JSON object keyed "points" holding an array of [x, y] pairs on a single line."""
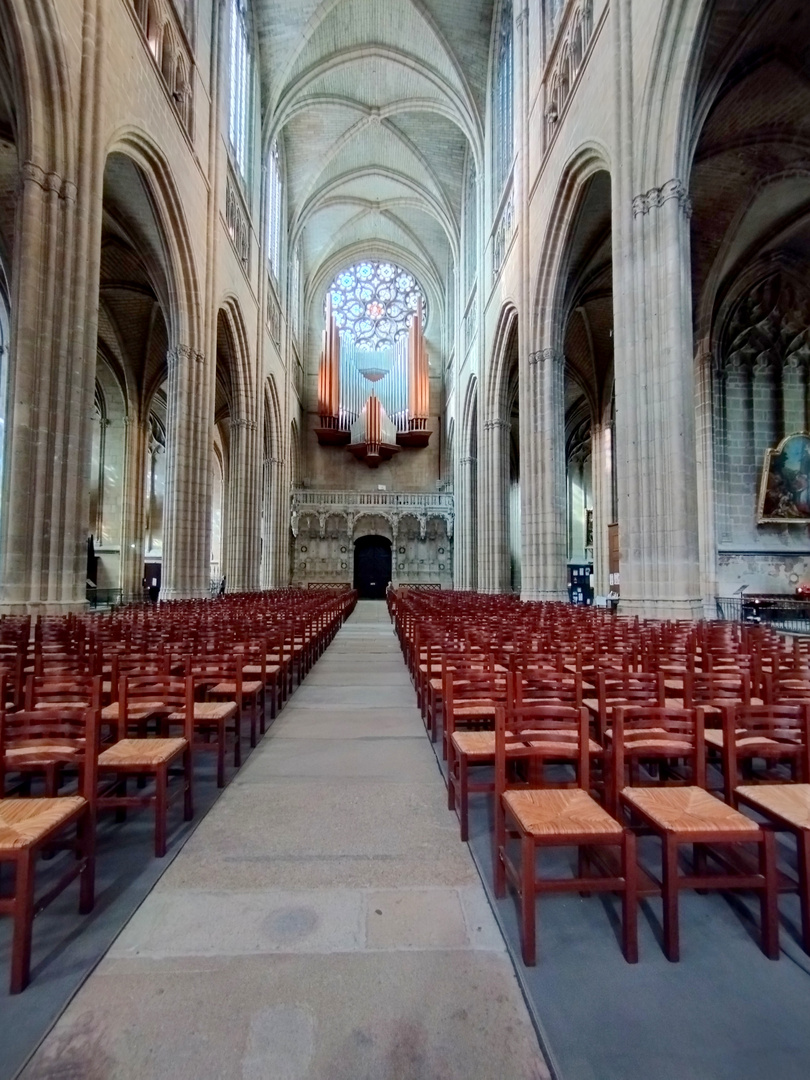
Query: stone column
{"points": [[655, 414], [544, 577], [704, 376], [242, 551], [600, 475], [133, 516], [187, 511], [51, 376], [465, 551], [274, 524], [493, 551]]}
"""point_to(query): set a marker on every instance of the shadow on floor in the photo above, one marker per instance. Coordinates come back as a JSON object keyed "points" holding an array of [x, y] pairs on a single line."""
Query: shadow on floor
{"points": [[67, 946], [724, 1012]]}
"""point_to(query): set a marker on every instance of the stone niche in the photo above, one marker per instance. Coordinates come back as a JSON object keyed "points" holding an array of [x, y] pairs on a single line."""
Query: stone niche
{"points": [[323, 552]]}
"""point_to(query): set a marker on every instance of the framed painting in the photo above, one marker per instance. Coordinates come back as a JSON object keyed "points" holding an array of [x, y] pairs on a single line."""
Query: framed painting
{"points": [[784, 491]]}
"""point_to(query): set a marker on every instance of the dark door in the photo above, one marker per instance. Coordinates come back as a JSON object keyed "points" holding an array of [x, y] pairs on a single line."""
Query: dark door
{"points": [[372, 567]]}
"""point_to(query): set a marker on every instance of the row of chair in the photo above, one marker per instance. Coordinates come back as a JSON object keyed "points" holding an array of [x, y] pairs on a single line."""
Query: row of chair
{"points": [[96, 729], [591, 753]]}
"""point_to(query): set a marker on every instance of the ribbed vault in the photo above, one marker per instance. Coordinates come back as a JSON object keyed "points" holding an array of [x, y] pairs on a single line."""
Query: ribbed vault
{"points": [[375, 106]]}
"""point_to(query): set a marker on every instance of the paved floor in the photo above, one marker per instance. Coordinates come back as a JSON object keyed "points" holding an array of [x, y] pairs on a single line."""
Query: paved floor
{"points": [[322, 923]]}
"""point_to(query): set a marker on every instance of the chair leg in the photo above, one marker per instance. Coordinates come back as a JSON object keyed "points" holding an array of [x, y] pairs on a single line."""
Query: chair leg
{"points": [[237, 745], [161, 801], [528, 902], [669, 895], [498, 855], [23, 921], [188, 781], [630, 898], [87, 878], [451, 778], [463, 797], [769, 910], [803, 842], [253, 718], [221, 755]]}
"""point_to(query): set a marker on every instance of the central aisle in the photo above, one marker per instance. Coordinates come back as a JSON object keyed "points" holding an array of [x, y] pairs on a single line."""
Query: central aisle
{"points": [[324, 922]]}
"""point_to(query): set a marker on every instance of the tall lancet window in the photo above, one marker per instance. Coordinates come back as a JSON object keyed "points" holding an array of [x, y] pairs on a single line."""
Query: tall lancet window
{"points": [[502, 100], [470, 230], [275, 210], [240, 84]]}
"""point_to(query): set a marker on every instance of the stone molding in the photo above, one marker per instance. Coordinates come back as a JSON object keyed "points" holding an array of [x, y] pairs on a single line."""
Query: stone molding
{"points": [[243, 422], [179, 353], [31, 173], [542, 355], [496, 424], [656, 197]]}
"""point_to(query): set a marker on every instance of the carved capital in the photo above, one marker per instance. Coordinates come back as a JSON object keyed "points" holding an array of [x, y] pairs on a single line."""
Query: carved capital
{"points": [[243, 422], [542, 355], [656, 197], [31, 173], [181, 354], [496, 425]]}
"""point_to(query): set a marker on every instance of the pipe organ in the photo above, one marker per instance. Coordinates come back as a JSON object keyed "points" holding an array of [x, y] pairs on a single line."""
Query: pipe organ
{"points": [[391, 412]]}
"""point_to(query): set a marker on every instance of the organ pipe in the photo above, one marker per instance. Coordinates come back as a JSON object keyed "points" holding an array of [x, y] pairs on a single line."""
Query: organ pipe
{"points": [[418, 378], [329, 371]]}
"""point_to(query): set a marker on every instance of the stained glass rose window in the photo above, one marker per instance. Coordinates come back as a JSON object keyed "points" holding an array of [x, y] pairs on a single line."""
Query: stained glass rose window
{"points": [[373, 302]]}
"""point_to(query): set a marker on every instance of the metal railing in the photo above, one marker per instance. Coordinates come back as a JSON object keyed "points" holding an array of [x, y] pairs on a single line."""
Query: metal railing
{"points": [[785, 613]]}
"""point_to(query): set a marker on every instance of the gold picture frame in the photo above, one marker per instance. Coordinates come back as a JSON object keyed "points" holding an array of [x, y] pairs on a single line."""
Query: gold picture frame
{"points": [[784, 488]]}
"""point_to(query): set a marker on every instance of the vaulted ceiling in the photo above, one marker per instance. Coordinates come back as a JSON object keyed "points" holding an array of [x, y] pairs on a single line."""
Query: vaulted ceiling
{"points": [[376, 104]]}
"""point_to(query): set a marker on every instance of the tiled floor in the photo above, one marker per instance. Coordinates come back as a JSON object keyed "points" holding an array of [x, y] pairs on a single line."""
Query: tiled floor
{"points": [[322, 923]]}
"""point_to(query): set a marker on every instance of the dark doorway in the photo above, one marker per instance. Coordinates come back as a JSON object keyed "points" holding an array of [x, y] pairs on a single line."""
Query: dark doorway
{"points": [[372, 567]]}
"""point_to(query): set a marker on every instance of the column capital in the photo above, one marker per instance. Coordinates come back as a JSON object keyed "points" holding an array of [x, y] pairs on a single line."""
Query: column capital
{"points": [[542, 355], [31, 173], [656, 197], [496, 424], [182, 353], [244, 422]]}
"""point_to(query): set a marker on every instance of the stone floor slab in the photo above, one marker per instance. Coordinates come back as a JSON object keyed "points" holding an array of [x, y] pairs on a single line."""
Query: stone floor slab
{"points": [[376, 1016]]}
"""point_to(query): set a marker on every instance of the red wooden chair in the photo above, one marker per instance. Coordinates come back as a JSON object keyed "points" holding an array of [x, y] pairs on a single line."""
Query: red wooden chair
{"points": [[30, 827], [538, 817], [689, 815]]}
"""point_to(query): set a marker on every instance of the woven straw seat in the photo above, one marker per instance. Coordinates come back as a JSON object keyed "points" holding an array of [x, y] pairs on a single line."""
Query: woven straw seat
{"points": [[256, 669], [664, 744], [138, 710], [134, 752], [714, 737], [474, 710], [208, 710], [548, 812], [687, 809], [790, 802], [24, 822], [474, 743], [554, 746], [230, 688]]}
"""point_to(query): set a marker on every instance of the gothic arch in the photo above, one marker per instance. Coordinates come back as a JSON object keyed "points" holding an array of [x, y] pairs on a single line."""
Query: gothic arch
{"points": [[184, 314], [547, 332], [497, 387], [38, 82]]}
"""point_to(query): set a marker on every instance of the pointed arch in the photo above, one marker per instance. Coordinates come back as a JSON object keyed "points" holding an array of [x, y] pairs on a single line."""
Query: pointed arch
{"points": [[547, 320], [184, 314]]}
